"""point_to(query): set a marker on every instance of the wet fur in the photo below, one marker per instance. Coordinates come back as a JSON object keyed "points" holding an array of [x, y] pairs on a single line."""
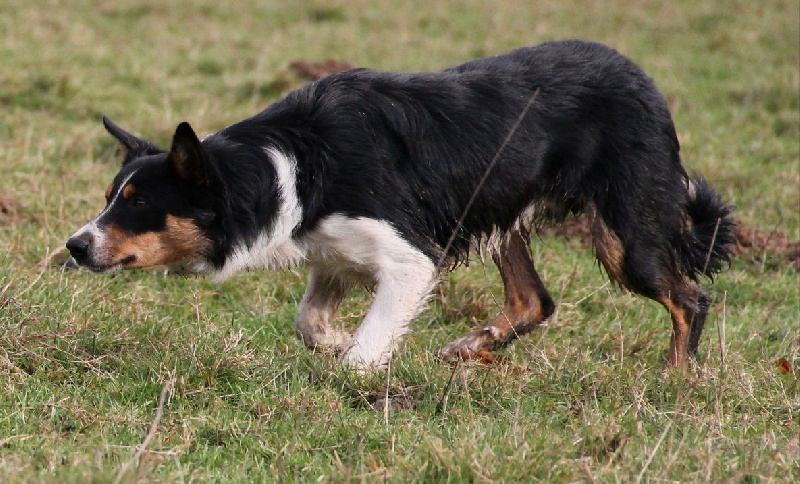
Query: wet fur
{"points": [[395, 159]]}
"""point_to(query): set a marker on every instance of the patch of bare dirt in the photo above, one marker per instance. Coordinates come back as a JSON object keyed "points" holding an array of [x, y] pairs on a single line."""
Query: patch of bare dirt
{"points": [[756, 243], [751, 243], [317, 70], [9, 208]]}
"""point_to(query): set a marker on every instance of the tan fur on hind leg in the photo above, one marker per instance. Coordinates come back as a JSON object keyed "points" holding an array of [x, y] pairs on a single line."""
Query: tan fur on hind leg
{"points": [[687, 306], [527, 304]]}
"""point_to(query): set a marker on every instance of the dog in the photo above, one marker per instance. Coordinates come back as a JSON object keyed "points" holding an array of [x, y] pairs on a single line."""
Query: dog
{"points": [[391, 179]]}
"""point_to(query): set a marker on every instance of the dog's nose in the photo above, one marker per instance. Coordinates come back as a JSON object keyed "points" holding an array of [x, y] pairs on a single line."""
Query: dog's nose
{"points": [[79, 245]]}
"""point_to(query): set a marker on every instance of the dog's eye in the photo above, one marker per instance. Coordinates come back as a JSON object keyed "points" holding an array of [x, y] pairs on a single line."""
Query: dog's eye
{"points": [[139, 202]]}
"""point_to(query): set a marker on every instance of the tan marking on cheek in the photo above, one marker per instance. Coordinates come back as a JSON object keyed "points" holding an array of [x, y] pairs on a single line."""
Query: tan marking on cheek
{"points": [[146, 248], [180, 240], [118, 245], [108, 192], [128, 191], [114, 237], [183, 238]]}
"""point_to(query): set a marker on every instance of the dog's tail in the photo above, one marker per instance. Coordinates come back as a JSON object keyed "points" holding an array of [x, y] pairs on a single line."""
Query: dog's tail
{"points": [[705, 246]]}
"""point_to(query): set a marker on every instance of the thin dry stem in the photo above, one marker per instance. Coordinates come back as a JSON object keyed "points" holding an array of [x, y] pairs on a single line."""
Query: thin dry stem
{"points": [[167, 388]]}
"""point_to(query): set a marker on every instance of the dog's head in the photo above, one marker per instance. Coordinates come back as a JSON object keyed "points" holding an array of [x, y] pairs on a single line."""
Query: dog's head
{"points": [[157, 209]]}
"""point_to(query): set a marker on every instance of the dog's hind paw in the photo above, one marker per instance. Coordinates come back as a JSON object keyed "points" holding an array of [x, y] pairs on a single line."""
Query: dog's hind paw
{"points": [[475, 346]]}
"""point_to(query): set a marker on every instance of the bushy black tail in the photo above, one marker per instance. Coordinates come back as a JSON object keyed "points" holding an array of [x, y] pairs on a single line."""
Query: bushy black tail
{"points": [[705, 248]]}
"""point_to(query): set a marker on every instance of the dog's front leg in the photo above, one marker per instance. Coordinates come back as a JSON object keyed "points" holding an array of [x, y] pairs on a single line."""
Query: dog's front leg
{"points": [[323, 295], [401, 292]]}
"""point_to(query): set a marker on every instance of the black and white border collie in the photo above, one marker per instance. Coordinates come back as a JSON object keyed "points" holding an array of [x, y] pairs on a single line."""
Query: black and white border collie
{"points": [[389, 179]]}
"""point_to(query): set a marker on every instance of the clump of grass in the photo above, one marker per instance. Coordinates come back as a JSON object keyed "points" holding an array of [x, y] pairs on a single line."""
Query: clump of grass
{"points": [[173, 379]]}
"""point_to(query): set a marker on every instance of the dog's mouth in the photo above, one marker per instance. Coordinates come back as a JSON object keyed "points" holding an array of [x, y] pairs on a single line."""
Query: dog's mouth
{"points": [[101, 268]]}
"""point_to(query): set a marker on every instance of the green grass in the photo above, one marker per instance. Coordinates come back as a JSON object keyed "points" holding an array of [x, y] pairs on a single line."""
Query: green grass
{"points": [[85, 358]]}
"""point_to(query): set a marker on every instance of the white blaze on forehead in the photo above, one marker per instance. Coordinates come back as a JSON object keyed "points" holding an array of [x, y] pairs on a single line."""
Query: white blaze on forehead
{"points": [[92, 226], [119, 191]]}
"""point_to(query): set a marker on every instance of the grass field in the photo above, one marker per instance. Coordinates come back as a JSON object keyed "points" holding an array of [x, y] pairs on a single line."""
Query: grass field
{"points": [[138, 376]]}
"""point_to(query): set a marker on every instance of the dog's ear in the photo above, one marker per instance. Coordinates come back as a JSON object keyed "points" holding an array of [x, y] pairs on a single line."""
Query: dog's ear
{"points": [[133, 146], [188, 157]]}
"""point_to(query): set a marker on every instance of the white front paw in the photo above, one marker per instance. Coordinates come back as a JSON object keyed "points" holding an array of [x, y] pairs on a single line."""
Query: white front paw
{"points": [[364, 361]]}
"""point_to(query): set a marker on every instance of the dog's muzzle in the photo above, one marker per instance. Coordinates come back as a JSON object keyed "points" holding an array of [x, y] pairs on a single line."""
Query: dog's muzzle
{"points": [[79, 247]]}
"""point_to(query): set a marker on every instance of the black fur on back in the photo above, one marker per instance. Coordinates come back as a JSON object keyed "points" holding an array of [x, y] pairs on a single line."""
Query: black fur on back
{"points": [[410, 148]]}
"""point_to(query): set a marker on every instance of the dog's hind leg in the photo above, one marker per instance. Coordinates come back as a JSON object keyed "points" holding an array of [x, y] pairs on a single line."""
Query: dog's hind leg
{"points": [[323, 295], [688, 307], [527, 304], [646, 267]]}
